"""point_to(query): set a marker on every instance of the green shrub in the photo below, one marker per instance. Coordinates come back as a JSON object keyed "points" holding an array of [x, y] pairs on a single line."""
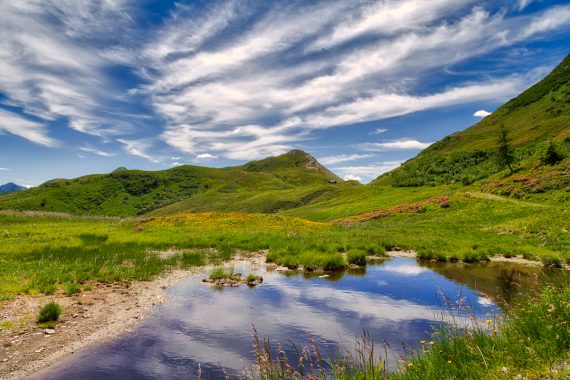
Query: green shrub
{"points": [[71, 289], [49, 313], [356, 257], [551, 261]]}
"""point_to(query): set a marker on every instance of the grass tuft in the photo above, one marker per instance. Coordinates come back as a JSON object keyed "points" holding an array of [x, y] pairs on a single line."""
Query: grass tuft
{"points": [[49, 313]]}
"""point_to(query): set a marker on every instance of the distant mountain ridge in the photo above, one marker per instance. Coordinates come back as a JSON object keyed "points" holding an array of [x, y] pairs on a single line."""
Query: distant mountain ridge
{"points": [[270, 185], [10, 187]]}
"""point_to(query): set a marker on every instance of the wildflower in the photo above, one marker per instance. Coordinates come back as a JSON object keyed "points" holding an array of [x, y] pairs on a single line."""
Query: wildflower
{"points": [[410, 364], [550, 310], [426, 351], [495, 331], [422, 342], [489, 321], [431, 343], [449, 361]]}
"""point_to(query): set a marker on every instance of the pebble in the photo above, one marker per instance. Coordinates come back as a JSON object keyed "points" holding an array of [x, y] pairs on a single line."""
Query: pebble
{"points": [[49, 331]]}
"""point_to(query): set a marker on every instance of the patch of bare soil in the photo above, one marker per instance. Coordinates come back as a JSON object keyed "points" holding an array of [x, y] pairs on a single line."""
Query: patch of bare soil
{"points": [[94, 316]]}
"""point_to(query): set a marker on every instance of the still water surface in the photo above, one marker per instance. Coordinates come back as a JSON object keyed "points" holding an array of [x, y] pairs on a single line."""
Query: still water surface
{"points": [[397, 301]]}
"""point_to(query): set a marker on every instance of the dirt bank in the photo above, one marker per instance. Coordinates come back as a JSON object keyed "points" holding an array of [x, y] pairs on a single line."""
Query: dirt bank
{"points": [[94, 316]]}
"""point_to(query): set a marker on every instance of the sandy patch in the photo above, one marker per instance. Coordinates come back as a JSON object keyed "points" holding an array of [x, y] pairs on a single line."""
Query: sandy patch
{"points": [[99, 315]]}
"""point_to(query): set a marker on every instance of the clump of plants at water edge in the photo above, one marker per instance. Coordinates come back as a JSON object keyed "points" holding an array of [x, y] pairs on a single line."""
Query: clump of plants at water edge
{"points": [[356, 257], [273, 363]]}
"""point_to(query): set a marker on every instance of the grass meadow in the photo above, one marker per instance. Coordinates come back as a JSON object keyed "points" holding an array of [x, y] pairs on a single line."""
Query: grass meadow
{"points": [[42, 252]]}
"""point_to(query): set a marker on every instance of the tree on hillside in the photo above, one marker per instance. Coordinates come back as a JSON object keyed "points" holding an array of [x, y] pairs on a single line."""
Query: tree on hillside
{"points": [[505, 152], [551, 155]]}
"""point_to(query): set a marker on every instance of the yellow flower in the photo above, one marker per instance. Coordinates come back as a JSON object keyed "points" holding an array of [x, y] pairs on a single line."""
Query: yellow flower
{"points": [[410, 364], [422, 342], [550, 310], [495, 331], [489, 321], [431, 343], [449, 361], [426, 351]]}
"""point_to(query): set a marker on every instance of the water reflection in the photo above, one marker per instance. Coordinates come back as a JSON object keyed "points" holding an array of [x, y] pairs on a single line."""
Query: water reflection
{"points": [[395, 301]]}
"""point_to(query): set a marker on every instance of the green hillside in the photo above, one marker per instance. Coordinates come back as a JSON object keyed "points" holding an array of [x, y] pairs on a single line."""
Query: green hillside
{"points": [[268, 185], [534, 119]]}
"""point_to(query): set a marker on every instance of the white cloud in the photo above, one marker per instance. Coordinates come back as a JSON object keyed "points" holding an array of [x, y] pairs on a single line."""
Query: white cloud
{"points": [[96, 151], [27, 129], [366, 173], [350, 177], [177, 164], [378, 131], [481, 113], [139, 148], [206, 156], [401, 144], [331, 160], [552, 19], [284, 74], [51, 71], [523, 4], [176, 158], [4, 169]]}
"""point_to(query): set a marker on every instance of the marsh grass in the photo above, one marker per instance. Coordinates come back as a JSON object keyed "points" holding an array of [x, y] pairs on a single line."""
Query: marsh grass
{"points": [[307, 362], [356, 257], [224, 274], [531, 341]]}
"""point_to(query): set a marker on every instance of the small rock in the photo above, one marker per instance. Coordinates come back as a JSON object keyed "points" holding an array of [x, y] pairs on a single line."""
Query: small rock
{"points": [[39, 350], [4, 360], [324, 276], [75, 315], [7, 344], [49, 331]]}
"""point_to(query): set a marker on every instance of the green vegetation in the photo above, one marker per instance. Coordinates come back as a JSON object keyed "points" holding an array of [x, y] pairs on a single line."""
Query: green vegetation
{"points": [[277, 183], [49, 313], [43, 252], [356, 257], [224, 274], [532, 342]]}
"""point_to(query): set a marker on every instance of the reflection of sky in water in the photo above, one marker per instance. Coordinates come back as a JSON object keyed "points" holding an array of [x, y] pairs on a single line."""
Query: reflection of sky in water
{"points": [[396, 302]]}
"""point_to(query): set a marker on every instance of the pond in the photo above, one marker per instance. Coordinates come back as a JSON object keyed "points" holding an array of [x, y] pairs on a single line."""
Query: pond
{"points": [[397, 301]]}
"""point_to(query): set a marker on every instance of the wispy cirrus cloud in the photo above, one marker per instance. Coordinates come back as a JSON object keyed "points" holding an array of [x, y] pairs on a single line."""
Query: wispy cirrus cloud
{"points": [[243, 81], [266, 83], [5, 169], [387, 146], [337, 159], [139, 148], [96, 151], [31, 130], [365, 173], [53, 68]]}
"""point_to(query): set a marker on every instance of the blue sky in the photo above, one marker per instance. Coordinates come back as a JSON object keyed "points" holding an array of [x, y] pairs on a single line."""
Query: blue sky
{"points": [[89, 86]]}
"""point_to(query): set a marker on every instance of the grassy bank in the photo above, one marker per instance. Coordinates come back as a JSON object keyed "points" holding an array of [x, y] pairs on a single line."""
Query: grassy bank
{"points": [[532, 342], [42, 252]]}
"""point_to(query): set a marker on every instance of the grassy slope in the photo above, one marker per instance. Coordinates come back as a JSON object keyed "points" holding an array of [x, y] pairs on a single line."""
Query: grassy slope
{"points": [[269, 185]]}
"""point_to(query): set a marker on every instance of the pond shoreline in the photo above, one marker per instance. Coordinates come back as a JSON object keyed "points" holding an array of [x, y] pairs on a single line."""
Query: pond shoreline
{"points": [[91, 317]]}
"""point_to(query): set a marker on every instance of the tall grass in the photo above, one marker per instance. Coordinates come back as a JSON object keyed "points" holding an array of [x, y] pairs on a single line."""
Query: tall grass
{"points": [[533, 341]]}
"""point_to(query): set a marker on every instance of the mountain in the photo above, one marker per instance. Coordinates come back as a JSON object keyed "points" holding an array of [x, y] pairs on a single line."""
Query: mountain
{"points": [[534, 120], [269, 185], [295, 184], [10, 187]]}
